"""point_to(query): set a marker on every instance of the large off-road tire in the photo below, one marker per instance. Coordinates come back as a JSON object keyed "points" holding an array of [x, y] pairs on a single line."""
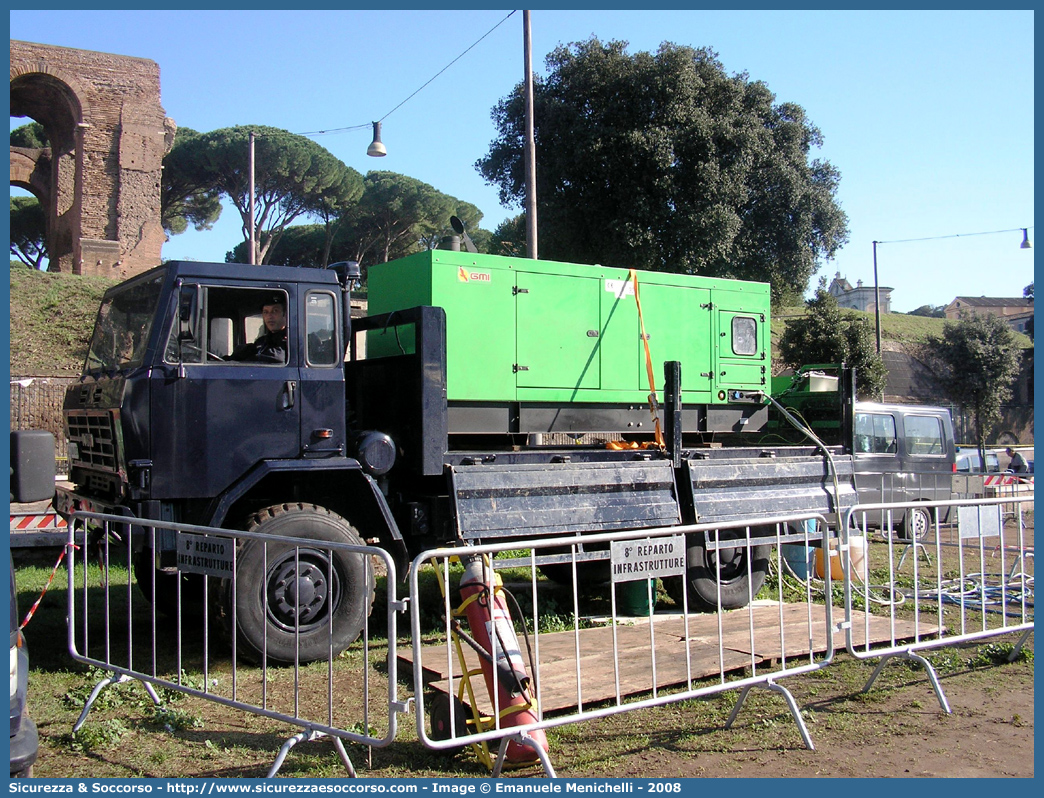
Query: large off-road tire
{"points": [[916, 524], [296, 603], [737, 586], [166, 588]]}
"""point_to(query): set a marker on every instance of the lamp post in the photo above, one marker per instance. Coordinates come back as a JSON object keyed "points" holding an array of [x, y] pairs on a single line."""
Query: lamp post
{"points": [[530, 142], [877, 302], [877, 290]]}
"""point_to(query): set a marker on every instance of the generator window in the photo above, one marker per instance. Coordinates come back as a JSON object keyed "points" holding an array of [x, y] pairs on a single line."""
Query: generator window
{"points": [[321, 332], [744, 336], [923, 435], [875, 433]]}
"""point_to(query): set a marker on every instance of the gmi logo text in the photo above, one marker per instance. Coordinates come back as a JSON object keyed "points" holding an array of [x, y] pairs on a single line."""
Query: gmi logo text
{"points": [[473, 277]]}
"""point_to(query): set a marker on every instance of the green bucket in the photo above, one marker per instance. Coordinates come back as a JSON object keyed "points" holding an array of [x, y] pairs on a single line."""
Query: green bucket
{"points": [[632, 598]]}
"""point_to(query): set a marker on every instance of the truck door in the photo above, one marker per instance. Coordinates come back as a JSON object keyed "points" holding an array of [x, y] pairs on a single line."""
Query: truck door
{"points": [[218, 410], [321, 394]]}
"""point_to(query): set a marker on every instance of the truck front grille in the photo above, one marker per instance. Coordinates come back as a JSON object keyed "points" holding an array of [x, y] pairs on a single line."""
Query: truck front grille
{"points": [[94, 433]]}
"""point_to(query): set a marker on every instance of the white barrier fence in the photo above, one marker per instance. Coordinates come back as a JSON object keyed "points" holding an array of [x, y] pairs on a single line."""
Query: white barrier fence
{"points": [[968, 576], [570, 622], [616, 663], [171, 630]]}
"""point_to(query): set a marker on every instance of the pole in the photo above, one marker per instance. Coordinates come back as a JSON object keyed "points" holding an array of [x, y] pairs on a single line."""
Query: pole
{"points": [[530, 143], [877, 301], [253, 237]]}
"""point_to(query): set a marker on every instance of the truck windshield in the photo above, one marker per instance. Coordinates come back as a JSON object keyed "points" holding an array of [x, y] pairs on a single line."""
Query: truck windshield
{"points": [[121, 332]]}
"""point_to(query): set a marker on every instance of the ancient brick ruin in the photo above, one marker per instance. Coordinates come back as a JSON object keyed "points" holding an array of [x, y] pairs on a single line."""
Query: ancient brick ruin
{"points": [[99, 179]]}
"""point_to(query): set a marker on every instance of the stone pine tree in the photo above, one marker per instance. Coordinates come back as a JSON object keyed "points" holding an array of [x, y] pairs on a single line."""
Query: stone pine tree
{"points": [[826, 335], [978, 360], [187, 194], [663, 161], [293, 177], [28, 232]]}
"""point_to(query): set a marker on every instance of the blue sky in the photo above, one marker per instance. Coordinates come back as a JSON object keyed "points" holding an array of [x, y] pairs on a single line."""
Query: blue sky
{"points": [[927, 115]]}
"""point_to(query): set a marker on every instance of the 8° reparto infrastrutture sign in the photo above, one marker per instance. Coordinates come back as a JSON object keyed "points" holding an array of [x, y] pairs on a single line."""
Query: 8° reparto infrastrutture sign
{"points": [[648, 558], [205, 554]]}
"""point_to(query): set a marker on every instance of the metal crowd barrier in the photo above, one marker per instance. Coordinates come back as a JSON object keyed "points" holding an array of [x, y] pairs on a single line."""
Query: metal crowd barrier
{"points": [[604, 666], [114, 627], [968, 577]]}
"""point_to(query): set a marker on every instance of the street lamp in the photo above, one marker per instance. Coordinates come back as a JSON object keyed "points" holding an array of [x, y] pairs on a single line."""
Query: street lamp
{"points": [[376, 148]]}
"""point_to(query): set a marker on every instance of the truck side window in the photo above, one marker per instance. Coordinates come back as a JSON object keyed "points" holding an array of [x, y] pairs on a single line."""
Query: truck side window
{"points": [[923, 435], [231, 328], [320, 329]]}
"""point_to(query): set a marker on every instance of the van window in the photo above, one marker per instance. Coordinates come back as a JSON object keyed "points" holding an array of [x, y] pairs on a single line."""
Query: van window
{"points": [[875, 433], [923, 435]]}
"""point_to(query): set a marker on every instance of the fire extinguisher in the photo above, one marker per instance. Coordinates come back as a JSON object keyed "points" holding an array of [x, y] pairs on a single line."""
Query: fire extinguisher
{"points": [[492, 628]]}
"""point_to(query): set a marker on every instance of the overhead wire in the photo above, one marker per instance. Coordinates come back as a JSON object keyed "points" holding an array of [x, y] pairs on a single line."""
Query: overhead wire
{"points": [[415, 93]]}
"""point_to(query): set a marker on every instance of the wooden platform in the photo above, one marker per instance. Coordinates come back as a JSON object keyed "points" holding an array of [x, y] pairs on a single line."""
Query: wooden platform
{"points": [[741, 648]]}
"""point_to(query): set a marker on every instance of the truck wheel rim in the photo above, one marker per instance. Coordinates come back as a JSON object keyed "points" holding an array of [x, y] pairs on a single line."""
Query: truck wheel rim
{"points": [[727, 562], [301, 588]]}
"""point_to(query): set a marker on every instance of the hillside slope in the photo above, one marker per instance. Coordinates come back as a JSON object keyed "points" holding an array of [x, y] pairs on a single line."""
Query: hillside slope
{"points": [[52, 316]]}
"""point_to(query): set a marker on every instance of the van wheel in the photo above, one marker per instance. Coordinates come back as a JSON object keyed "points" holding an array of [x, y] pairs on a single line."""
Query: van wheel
{"points": [[296, 602], [737, 587], [916, 524]]}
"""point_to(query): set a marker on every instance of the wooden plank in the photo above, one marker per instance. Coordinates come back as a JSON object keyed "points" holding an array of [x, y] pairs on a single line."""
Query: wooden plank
{"points": [[771, 640]]}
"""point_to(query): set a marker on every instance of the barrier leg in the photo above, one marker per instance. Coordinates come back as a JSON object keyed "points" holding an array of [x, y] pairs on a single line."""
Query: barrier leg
{"points": [[919, 549], [305, 737], [529, 742], [109, 680], [795, 711], [1018, 646], [929, 670]]}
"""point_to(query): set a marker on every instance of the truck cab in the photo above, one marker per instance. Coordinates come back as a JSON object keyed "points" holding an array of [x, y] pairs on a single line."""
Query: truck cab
{"points": [[162, 349]]}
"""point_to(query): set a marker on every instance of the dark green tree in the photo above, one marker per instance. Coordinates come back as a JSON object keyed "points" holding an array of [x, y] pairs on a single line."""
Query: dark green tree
{"points": [[28, 232], [397, 212], [300, 245], [188, 194], [978, 360], [293, 177], [509, 238], [665, 162], [31, 136], [826, 335], [399, 215]]}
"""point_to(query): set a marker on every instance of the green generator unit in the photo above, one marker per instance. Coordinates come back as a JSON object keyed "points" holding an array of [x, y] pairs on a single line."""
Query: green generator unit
{"points": [[541, 346]]}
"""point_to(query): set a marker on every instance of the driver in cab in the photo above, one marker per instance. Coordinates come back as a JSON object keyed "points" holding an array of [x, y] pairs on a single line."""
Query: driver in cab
{"points": [[270, 346]]}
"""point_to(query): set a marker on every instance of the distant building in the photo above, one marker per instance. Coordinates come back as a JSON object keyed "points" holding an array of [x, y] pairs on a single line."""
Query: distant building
{"points": [[859, 298], [1016, 311]]}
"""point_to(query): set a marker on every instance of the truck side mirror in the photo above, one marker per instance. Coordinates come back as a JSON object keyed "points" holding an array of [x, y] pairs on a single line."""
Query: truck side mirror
{"points": [[188, 312]]}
